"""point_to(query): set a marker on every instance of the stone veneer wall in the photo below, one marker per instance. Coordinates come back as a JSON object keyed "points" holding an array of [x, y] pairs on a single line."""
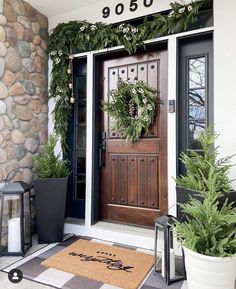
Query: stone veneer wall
{"points": [[23, 87]]}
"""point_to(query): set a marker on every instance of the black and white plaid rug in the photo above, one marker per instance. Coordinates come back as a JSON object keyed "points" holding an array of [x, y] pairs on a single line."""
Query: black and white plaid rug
{"points": [[32, 270]]}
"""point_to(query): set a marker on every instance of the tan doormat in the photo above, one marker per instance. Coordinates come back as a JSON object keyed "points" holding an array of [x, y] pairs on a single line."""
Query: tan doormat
{"points": [[109, 264]]}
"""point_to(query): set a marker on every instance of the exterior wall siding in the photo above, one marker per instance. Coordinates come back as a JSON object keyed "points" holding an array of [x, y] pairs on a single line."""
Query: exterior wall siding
{"points": [[224, 78], [23, 88]]}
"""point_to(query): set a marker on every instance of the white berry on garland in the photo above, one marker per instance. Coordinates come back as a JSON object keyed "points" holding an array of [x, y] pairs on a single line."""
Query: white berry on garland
{"points": [[132, 107]]}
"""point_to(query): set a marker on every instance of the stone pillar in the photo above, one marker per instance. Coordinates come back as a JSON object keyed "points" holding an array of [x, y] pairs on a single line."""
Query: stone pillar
{"points": [[23, 88]]}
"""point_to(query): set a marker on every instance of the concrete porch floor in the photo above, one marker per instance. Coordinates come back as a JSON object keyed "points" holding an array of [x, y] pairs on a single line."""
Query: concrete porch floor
{"points": [[24, 284]]}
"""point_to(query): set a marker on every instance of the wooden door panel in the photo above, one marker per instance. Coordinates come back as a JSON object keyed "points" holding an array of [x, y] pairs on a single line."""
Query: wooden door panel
{"points": [[123, 72], [142, 72], [113, 180], [132, 73], [153, 81], [153, 189], [121, 146], [134, 179], [132, 215], [122, 188], [113, 78], [142, 181], [132, 176]]}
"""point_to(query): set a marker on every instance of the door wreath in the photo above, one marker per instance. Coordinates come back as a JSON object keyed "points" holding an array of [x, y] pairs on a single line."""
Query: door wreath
{"points": [[132, 107]]}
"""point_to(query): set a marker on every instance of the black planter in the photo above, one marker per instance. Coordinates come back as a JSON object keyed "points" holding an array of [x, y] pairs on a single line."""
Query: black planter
{"points": [[184, 194], [50, 201]]}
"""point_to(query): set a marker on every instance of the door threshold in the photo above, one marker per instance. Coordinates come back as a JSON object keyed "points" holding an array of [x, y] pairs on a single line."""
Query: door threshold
{"points": [[135, 230], [75, 221], [112, 232]]}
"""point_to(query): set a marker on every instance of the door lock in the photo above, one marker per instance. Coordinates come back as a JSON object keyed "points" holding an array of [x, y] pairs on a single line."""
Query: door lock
{"points": [[171, 105]]}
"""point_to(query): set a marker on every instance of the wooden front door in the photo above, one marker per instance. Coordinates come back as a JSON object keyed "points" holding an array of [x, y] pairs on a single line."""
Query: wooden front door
{"points": [[133, 179]]}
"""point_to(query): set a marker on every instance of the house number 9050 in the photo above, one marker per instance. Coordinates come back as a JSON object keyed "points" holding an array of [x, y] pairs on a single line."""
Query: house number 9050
{"points": [[120, 7]]}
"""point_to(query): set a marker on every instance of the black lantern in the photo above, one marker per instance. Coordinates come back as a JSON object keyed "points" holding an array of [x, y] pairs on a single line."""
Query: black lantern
{"points": [[169, 259], [15, 226]]}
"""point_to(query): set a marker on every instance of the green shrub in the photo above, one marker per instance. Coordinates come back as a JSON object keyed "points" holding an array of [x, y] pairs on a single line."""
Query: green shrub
{"points": [[209, 229], [48, 164], [200, 166]]}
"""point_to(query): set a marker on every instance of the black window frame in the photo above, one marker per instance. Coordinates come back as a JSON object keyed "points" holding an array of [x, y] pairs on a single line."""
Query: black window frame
{"points": [[200, 45]]}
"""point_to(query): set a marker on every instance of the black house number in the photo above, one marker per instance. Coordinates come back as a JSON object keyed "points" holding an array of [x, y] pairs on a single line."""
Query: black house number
{"points": [[120, 7]]}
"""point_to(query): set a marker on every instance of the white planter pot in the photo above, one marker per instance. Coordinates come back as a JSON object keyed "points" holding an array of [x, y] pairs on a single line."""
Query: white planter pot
{"points": [[206, 272]]}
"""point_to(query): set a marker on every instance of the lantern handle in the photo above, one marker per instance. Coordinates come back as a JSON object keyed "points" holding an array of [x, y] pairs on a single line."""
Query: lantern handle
{"points": [[16, 169]]}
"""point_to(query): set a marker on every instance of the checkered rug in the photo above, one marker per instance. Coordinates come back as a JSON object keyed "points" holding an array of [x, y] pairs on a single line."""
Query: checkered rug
{"points": [[32, 270]]}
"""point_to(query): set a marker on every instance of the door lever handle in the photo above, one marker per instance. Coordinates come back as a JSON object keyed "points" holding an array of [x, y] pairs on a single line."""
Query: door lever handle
{"points": [[101, 162], [102, 149]]}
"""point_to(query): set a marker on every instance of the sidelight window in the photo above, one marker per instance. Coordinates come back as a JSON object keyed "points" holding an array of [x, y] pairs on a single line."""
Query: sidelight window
{"points": [[197, 100], [80, 132]]}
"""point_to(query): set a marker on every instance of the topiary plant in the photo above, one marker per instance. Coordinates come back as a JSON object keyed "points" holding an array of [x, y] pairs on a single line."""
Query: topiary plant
{"points": [[48, 164], [209, 226]]}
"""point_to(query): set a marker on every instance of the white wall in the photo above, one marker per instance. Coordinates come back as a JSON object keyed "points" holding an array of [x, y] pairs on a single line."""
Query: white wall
{"points": [[225, 77], [93, 13]]}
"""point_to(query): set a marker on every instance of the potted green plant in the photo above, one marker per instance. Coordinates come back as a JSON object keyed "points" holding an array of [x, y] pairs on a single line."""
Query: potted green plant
{"points": [[208, 231], [50, 192], [198, 166]]}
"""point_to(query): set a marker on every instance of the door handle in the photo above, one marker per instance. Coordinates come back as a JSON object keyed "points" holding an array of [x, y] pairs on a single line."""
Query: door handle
{"points": [[101, 162], [103, 139], [102, 149]]}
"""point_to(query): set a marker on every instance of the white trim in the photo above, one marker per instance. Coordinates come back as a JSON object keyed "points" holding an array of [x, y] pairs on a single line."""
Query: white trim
{"points": [[89, 140], [171, 124]]}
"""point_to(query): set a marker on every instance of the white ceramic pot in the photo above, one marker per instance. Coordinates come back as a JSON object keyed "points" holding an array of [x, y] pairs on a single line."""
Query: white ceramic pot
{"points": [[206, 272]]}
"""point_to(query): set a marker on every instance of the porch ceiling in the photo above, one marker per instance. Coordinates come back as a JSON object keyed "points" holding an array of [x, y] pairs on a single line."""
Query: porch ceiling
{"points": [[55, 7]]}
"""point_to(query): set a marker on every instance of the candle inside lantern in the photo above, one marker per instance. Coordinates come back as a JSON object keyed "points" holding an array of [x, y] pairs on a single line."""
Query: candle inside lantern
{"points": [[14, 235], [172, 264]]}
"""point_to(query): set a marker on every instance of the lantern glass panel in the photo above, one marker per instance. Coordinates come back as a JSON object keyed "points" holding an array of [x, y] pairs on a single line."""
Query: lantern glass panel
{"points": [[27, 221], [11, 224]]}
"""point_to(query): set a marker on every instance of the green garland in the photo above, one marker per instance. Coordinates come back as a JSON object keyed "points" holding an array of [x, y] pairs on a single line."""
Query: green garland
{"points": [[132, 108], [66, 38]]}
